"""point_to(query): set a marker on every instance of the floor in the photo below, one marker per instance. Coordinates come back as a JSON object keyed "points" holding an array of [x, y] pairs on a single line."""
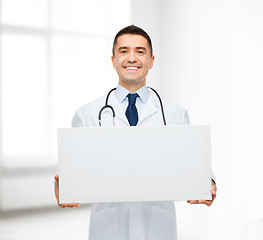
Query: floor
{"points": [[193, 223], [51, 223]]}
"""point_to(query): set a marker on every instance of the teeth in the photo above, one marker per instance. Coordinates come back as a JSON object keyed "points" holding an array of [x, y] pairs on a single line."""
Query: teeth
{"points": [[132, 68]]}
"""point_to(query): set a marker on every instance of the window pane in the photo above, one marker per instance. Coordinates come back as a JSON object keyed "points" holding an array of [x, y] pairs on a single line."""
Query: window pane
{"points": [[24, 95], [82, 71], [31, 13], [80, 15]]}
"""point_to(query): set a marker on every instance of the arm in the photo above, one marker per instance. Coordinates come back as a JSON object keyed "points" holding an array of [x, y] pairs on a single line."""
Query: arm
{"points": [[207, 202], [76, 122], [63, 205]]}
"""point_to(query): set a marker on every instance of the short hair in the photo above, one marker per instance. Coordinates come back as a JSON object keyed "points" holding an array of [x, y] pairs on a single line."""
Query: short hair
{"points": [[132, 29]]}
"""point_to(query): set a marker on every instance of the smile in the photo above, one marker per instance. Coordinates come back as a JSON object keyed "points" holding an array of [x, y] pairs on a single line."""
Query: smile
{"points": [[132, 68]]}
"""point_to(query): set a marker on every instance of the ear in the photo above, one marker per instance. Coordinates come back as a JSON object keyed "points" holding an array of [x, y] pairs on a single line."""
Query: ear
{"points": [[113, 61], [151, 61]]}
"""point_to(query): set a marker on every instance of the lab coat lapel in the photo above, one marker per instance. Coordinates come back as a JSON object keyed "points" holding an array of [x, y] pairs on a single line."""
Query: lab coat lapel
{"points": [[149, 109], [118, 110]]}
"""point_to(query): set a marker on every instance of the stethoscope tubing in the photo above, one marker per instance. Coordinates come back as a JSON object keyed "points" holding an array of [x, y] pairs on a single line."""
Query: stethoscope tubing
{"points": [[113, 112]]}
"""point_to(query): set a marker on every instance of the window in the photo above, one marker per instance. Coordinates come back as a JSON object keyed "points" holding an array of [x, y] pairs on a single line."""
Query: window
{"points": [[55, 56]]}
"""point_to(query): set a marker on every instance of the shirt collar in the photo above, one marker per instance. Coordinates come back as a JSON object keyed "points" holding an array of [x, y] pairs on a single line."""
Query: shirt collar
{"points": [[121, 93]]}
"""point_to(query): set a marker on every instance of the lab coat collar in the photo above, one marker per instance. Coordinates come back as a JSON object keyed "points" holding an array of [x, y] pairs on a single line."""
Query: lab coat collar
{"points": [[118, 110], [121, 93], [149, 109]]}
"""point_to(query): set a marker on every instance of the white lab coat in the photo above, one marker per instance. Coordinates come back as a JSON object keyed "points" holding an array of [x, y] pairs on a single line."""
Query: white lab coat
{"points": [[138, 220]]}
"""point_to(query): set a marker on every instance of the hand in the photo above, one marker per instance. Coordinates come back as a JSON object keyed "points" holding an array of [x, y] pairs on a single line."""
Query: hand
{"points": [[63, 205], [206, 202]]}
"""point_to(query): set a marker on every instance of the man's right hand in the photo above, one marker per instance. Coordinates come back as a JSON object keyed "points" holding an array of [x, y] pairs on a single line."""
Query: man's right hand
{"points": [[63, 205]]}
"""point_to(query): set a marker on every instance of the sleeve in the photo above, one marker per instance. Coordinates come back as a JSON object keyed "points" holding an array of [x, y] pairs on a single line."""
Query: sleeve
{"points": [[185, 118], [77, 120], [186, 121], [213, 177]]}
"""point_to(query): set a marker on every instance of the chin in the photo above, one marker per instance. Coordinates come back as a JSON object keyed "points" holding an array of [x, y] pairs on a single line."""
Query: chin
{"points": [[132, 80]]}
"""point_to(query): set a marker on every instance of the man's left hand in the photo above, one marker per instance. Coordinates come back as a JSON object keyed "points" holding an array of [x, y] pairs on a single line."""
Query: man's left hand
{"points": [[206, 202]]}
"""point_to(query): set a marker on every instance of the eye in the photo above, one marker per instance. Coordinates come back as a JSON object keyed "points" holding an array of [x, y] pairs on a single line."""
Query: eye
{"points": [[140, 51], [123, 51]]}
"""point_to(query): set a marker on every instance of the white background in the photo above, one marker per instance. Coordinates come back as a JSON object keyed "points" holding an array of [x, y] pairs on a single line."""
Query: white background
{"points": [[208, 59]]}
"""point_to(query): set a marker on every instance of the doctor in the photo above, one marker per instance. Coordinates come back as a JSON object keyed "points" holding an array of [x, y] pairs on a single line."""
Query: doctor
{"points": [[134, 104]]}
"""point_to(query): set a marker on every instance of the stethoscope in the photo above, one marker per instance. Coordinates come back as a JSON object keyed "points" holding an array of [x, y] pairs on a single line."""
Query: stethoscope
{"points": [[113, 112]]}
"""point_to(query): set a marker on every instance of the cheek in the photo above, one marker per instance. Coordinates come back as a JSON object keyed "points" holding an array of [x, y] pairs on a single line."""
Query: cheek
{"points": [[118, 64], [150, 64]]}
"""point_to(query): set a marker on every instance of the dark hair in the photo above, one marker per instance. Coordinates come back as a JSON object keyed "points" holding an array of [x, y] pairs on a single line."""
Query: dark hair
{"points": [[132, 29]]}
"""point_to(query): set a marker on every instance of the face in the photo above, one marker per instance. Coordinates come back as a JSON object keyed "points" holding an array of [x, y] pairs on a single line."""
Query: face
{"points": [[132, 60]]}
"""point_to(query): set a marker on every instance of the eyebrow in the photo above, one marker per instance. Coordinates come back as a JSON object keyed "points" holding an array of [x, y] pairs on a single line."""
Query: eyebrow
{"points": [[121, 48]]}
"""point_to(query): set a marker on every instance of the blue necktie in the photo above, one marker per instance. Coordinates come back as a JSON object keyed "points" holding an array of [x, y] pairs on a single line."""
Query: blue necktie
{"points": [[131, 111]]}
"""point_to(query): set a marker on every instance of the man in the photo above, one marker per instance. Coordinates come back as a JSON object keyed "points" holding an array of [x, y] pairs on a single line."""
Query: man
{"points": [[134, 104]]}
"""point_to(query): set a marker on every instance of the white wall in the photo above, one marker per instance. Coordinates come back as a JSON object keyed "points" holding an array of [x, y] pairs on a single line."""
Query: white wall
{"points": [[145, 14], [51, 58], [210, 61]]}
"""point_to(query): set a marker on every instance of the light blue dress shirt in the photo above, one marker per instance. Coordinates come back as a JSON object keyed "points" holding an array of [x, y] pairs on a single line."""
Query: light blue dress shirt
{"points": [[144, 94]]}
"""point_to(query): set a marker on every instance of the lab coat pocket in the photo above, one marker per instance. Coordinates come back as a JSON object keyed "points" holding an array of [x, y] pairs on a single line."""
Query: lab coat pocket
{"points": [[103, 225], [162, 224]]}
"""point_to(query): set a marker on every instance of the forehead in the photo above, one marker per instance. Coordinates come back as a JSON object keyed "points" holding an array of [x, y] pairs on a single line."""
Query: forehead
{"points": [[132, 41]]}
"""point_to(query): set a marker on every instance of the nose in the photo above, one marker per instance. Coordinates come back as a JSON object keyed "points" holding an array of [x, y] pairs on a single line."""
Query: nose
{"points": [[131, 57]]}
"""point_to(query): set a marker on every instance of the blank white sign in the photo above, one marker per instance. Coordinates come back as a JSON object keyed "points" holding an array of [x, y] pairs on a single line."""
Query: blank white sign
{"points": [[134, 164]]}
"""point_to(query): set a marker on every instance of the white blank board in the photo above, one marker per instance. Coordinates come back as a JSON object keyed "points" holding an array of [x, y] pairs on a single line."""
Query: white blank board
{"points": [[134, 164]]}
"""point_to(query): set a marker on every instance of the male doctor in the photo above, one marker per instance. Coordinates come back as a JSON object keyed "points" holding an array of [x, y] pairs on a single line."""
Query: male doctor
{"points": [[134, 105]]}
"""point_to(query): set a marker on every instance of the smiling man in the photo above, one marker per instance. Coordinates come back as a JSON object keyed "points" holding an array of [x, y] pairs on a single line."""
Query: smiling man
{"points": [[135, 105], [132, 58]]}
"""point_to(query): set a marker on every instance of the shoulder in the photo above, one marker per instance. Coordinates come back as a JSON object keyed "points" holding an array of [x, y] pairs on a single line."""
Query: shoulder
{"points": [[175, 113], [94, 104], [172, 106], [87, 114]]}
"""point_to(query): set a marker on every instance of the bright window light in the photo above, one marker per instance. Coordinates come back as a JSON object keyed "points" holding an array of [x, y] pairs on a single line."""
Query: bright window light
{"points": [[80, 15], [29, 13], [55, 57], [24, 107]]}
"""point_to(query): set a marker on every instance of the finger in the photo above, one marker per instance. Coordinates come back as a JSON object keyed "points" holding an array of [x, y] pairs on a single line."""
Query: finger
{"points": [[213, 195], [64, 205], [195, 202], [213, 191], [69, 205], [56, 177], [204, 202], [61, 205], [213, 188], [208, 202], [72, 204], [76, 204]]}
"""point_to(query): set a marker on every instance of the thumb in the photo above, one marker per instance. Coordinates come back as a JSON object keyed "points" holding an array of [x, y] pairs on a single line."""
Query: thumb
{"points": [[56, 177]]}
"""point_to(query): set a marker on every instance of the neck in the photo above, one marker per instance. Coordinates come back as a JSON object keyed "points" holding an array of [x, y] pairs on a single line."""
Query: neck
{"points": [[131, 87]]}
